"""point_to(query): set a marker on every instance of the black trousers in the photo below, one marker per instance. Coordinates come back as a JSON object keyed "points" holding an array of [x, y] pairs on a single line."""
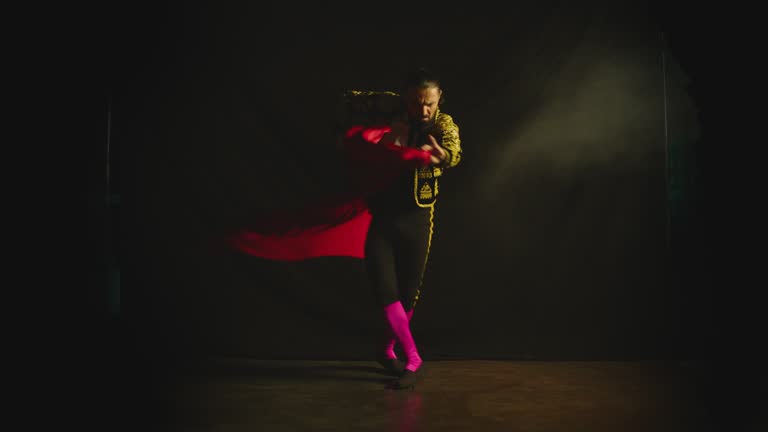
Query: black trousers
{"points": [[396, 253]]}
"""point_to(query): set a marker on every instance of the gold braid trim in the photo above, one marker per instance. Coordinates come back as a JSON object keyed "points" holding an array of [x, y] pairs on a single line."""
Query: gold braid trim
{"points": [[426, 258]]}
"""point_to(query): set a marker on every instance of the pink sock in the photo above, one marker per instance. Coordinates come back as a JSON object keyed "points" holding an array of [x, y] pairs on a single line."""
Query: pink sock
{"points": [[398, 323], [389, 350]]}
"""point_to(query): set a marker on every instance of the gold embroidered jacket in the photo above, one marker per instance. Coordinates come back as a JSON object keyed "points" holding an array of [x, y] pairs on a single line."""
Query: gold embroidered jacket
{"points": [[376, 107]]}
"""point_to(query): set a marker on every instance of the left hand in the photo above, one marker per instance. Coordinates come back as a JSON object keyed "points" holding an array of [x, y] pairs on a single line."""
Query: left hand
{"points": [[399, 132]]}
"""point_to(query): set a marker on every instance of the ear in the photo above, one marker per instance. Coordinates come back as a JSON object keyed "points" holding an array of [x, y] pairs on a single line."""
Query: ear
{"points": [[440, 99]]}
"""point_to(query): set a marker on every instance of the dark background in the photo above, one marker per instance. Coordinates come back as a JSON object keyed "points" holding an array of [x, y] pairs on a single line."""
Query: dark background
{"points": [[550, 238], [588, 220]]}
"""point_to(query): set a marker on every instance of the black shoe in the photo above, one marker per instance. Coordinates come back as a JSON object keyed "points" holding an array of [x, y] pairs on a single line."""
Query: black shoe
{"points": [[393, 366], [409, 379]]}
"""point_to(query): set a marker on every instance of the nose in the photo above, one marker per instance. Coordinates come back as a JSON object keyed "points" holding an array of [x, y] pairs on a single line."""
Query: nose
{"points": [[425, 112]]}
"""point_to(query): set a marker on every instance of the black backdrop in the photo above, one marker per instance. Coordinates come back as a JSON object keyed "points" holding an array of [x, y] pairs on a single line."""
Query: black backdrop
{"points": [[561, 234]]}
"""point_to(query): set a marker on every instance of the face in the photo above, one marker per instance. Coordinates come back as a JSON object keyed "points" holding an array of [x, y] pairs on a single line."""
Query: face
{"points": [[422, 103]]}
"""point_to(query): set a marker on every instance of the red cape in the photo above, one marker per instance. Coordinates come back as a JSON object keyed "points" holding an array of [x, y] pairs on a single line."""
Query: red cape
{"points": [[338, 224]]}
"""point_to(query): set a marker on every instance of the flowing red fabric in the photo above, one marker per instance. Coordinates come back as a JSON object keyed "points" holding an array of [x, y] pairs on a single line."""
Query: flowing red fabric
{"points": [[338, 224]]}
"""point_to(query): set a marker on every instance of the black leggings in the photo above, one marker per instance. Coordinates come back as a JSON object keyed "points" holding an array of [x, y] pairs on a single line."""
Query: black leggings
{"points": [[396, 252]]}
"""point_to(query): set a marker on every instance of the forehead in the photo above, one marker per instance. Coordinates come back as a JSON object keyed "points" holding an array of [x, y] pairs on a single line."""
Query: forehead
{"points": [[423, 94]]}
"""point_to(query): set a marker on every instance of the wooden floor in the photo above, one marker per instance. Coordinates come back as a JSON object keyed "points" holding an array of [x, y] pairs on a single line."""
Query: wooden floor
{"points": [[247, 395]]}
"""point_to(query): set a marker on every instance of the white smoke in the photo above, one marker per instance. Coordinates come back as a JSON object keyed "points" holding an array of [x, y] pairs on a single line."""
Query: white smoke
{"points": [[601, 110]]}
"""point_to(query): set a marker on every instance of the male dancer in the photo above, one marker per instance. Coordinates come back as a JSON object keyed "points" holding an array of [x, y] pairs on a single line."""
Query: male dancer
{"points": [[417, 145]]}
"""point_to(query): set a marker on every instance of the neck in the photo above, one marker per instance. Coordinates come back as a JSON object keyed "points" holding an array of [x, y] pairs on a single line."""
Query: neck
{"points": [[423, 126]]}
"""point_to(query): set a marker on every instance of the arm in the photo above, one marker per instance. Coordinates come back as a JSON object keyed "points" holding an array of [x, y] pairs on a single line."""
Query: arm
{"points": [[373, 163], [369, 107], [450, 140], [363, 145]]}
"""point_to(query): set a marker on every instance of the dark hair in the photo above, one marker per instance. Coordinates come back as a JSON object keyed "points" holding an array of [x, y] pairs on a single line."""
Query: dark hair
{"points": [[420, 78]]}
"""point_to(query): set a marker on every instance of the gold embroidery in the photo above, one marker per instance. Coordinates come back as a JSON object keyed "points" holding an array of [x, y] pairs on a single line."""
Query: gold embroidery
{"points": [[447, 133], [450, 140], [425, 192], [426, 258], [416, 193]]}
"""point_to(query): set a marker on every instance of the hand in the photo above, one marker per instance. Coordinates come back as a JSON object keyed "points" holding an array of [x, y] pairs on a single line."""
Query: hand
{"points": [[399, 132], [438, 154], [390, 138]]}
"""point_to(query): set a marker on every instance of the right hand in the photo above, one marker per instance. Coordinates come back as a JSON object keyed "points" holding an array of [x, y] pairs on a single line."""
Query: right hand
{"points": [[437, 154], [433, 159]]}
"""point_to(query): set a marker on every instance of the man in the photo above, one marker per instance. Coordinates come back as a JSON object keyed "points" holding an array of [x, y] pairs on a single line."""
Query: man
{"points": [[417, 145]]}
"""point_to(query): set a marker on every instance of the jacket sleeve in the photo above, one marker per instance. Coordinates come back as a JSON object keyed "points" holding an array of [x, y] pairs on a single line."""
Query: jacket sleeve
{"points": [[450, 140], [369, 107]]}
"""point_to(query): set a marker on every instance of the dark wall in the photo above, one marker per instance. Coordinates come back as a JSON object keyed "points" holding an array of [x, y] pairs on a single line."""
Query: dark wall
{"points": [[551, 237]]}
